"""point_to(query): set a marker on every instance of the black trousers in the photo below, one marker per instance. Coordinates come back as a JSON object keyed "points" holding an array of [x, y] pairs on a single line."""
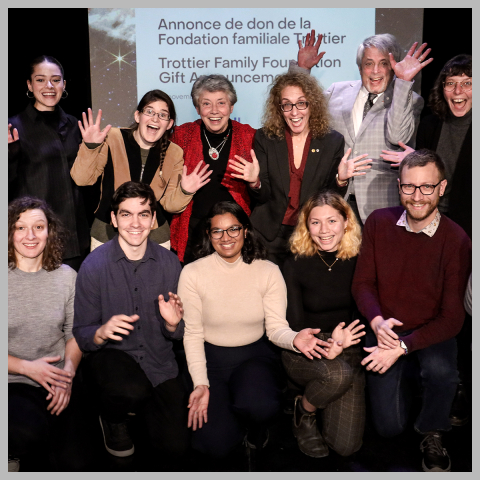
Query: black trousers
{"points": [[245, 394], [46, 442], [121, 387]]}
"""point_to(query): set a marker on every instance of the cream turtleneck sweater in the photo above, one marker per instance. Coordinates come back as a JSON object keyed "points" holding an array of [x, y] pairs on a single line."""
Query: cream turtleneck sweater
{"points": [[230, 305]]}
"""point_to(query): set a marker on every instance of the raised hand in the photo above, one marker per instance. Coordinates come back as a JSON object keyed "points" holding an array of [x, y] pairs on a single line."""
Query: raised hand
{"points": [[349, 335], [91, 132], [351, 168], [197, 179], [308, 55], [171, 311], [198, 405], [309, 344], [247, 171], [413, 62], [396, 157], [46, 375], [382, 328], [118, 324], [12, 135]]}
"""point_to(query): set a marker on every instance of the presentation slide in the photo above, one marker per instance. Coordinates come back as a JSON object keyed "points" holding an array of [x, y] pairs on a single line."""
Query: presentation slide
{"points": [[137, 50]]}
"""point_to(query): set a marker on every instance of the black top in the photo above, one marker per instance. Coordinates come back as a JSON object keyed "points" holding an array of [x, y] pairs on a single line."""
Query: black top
{"points": [[317, 297], [39, 164], [213, 191]]}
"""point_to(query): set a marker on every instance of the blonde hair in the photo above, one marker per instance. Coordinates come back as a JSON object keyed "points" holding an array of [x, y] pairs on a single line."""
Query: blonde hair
{"points": [[301, 242], [273, 120]]}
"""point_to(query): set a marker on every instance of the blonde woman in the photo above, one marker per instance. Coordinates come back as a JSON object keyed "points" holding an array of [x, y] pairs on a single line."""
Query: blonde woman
{"points": [[325, 244]]}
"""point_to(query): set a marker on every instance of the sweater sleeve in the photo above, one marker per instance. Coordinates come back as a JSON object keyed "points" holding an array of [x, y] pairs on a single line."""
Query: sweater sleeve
{"points": [[194, 339], [275, 306], [89, 164], [364, 286], [68, 325]]}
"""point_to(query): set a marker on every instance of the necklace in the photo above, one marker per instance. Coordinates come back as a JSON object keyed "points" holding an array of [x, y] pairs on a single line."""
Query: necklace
{"points": [[329, 266], [213, 153]]}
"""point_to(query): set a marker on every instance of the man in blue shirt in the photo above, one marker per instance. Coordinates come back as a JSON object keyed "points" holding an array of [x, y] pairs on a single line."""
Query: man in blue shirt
{"points": [[126, 327]]}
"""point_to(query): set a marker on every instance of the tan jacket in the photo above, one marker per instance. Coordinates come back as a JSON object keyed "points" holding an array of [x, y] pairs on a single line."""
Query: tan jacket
{"points": [[90, 164]]}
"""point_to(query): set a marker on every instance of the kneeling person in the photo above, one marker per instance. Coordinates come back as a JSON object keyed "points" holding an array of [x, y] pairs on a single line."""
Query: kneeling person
{"points": [[126, 327]]}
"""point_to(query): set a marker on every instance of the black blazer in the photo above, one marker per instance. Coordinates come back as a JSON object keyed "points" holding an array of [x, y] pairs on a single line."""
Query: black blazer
{"points": [[271, 199]]}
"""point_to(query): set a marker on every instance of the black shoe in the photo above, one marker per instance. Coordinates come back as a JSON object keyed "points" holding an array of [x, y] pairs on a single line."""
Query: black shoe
{"points": [[253, 448], [116, 438], [459, 412], [435, 457]]}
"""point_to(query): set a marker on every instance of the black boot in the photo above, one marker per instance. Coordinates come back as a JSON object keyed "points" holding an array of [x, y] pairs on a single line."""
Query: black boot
{"points": [[459, 414]]}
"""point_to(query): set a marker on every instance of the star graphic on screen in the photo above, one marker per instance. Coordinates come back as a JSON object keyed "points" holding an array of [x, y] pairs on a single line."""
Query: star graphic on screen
{"points": [[119, 59]]}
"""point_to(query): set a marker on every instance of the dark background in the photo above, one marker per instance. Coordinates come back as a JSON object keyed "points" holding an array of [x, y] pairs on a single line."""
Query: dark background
{"points": [[63, 33]]}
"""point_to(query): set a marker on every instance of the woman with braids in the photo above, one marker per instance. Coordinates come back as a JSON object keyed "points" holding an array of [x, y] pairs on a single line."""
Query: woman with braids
{"points": [[142, 153], [298, 154], [319, 275], [232, 296], [44, 425]]}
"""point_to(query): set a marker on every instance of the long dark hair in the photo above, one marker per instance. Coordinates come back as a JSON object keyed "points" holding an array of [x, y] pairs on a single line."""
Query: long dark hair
{"points": [[253, 248], [57, 234], [456, 66]]}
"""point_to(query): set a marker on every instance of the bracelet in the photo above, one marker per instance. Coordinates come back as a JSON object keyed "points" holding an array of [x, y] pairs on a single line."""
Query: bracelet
{"points": [[341, 183]]}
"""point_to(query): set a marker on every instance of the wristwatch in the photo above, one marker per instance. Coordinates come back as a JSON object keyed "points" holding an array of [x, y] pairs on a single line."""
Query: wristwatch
{"points": [[402, 344]]}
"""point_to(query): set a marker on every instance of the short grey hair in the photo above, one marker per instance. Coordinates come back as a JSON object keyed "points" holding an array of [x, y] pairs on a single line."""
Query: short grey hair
{"points": [[385, 43], [213, 83]]}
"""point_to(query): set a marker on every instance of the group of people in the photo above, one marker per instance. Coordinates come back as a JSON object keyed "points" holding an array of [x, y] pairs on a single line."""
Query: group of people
{"points": [[273, 254]]}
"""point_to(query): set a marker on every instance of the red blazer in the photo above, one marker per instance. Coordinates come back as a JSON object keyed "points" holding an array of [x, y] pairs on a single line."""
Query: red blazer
{"points": [[188, 137]]}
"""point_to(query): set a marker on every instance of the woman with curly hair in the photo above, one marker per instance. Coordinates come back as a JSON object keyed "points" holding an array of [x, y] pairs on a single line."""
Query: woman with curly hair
{"points": [[43, 356], [325, 244], [298, 154], [231, 297], [448, 131]]}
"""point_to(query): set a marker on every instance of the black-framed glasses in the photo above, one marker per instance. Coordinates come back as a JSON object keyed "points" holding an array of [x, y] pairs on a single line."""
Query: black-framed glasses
{"points": [[150, 112], [233, 232], [288, 107], [409, 189], [465, 86]]}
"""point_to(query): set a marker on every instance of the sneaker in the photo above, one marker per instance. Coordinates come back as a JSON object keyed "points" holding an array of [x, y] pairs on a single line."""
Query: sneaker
{"points": [[13, 464], [116, 438], [435, 457], [305, 430]]}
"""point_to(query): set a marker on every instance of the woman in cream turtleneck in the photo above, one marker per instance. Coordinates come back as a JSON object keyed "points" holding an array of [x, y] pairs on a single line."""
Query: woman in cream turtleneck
{"points": [[232, 297]]}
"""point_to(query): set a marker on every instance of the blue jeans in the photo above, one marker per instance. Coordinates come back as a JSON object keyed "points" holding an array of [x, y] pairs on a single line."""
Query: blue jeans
{"points": [[391, 393]]}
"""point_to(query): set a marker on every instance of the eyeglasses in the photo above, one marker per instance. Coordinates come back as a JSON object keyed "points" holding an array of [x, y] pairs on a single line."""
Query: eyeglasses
{"points": [[464, 86], [149, 112], [287, 107], [233, 232], [409, 189]]}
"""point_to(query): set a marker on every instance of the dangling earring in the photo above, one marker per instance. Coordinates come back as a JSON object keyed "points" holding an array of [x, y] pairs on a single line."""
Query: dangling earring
{"points": [[64, 93], [28, 91]]}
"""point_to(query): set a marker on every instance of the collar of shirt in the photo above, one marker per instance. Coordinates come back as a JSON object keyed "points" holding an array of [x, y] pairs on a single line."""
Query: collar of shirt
{"points": [[429, 230], [118, 253]]}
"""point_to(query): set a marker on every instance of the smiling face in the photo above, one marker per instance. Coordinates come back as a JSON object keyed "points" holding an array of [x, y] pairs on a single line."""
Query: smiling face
{"points": [[375, 71], [47, 85], [227, 247], [214, 109], [459, 101], [421, 209], [30, 236], [327, 227], [134, 220], [297, 120], [151, 129]]}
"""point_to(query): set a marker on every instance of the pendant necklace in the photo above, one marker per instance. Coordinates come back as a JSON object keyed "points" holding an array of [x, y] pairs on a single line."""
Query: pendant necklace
{"points": [[214, 153], [329, 266]]}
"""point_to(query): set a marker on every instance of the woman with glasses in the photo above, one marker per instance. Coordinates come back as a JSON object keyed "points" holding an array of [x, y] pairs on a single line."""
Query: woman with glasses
{"points": [[448, 131], [298, 154], [231, 297], [142, 153]]}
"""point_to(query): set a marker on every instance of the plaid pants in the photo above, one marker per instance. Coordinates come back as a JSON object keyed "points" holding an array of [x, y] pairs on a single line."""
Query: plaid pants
{"points": [[337, 388]]}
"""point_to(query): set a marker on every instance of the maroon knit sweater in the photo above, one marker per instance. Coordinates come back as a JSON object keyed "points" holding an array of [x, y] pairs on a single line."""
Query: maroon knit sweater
{"points": [[417, 279]]}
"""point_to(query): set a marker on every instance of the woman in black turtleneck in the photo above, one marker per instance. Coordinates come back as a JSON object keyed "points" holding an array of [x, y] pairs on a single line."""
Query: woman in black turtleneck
{"points": [[325, 244], [42, 145]]}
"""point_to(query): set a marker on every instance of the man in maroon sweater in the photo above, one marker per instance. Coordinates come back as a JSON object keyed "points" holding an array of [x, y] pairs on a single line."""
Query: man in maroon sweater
{"points": [[410, 283]]}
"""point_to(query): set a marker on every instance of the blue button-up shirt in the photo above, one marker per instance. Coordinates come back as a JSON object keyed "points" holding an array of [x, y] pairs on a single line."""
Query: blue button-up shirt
{"points": [[109, 284]]}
